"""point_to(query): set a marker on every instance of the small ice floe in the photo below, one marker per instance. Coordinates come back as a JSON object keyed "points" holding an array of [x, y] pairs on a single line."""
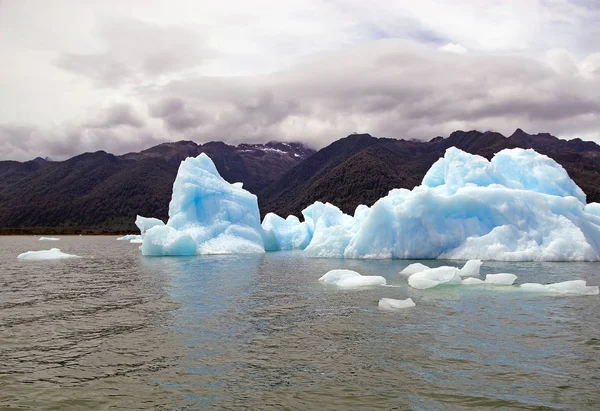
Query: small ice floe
{"points": [[472, 281], [137, 240], [129, 237], [470, 269], [413, 269], [351, 279], [434, 276], [52, 254], [491, 279], [500, 279], [49, 239], [389, 304], [573, 287]]}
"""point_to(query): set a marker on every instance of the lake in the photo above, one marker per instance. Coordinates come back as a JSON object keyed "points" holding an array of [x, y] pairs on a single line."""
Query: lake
{"points": [[119, 330]]}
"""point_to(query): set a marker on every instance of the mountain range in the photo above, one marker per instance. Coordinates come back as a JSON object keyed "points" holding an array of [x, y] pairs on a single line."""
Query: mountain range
{"points": [[102, 193]]}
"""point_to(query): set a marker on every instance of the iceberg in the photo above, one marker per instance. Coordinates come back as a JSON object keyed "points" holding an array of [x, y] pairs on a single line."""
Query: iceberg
{"points": [[573, 287], [130, 237], [518, 206], [52, 254], [389, 304], [49, 239], [207, 215], [351, 279]]}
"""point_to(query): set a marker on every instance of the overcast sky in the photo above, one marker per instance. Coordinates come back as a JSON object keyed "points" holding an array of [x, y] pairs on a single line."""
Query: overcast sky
{"points": [[124, 75]]}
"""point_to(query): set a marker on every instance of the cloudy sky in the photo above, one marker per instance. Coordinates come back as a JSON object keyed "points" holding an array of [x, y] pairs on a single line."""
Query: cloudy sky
{"points": [[119, 76]]}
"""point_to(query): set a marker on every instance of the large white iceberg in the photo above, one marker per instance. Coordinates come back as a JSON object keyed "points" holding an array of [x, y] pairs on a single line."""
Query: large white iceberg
{"points": [[520, 206], [52, 254]]}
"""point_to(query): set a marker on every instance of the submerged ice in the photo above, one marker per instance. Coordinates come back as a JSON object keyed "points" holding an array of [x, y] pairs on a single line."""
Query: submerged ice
{"points": [[520, 206], [52, 254]]}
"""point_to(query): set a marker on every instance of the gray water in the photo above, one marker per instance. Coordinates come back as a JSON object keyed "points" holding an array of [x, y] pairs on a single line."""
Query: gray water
{"points": [[118, 330]]}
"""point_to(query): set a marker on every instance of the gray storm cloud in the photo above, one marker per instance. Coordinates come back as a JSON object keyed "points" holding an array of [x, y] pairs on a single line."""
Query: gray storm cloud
{"points": [[389, 88]]}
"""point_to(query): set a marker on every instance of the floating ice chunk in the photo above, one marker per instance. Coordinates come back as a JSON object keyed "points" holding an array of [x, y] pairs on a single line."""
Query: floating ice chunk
{"points": [[500, 279], [146, 223], [472, 281], [389, 304], [288, 234], [52, 254], [130, 237], [434, 277], [351, 279], [414, 268], [49, 239], [136, 240], [470, 269], [578, 287]]}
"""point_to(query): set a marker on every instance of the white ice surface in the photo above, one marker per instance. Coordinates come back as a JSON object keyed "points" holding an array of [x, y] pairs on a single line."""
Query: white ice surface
{"points": [[576, 287], [434, 277], [130, 237], [49, 239], [351, 279], [414, 268], [52, 254], [470, 269], [146, 223], [472, 281], [389, 304], [520, 206], [207, 215], [500, 279]]}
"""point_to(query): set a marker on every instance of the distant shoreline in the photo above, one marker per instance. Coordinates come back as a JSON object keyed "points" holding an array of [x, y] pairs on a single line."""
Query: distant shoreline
{"points": [[60, 231]]}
